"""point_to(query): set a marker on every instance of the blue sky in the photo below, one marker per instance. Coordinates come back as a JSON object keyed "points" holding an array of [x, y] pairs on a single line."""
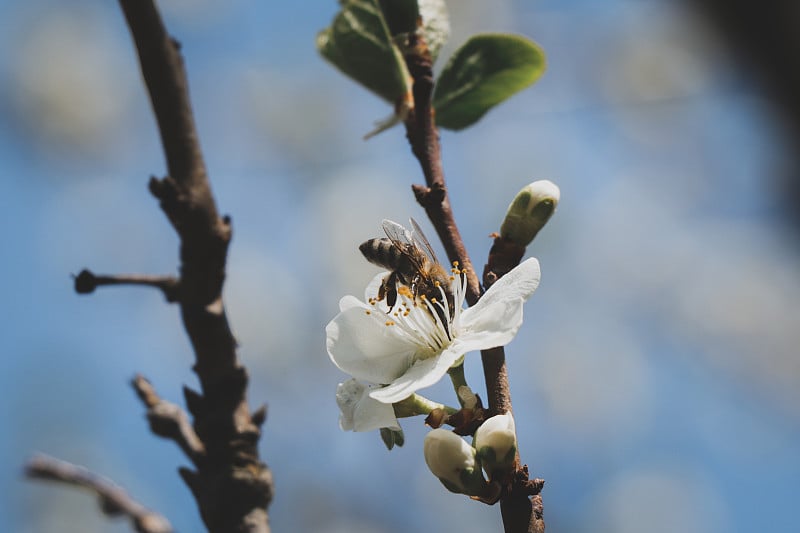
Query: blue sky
{"points": [[658, 359]]}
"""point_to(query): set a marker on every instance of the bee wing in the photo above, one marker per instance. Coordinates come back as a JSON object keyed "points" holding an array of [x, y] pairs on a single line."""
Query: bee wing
{"points": [[399, 235], [405, 242], [420, 241]]}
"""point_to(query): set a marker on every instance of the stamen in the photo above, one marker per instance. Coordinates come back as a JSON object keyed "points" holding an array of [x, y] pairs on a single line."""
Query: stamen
{"points": [[390, 322]]}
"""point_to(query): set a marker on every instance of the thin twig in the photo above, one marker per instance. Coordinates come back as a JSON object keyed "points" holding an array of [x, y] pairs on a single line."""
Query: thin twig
{"points": [[168, 420], [86, 282], [114, 500]]}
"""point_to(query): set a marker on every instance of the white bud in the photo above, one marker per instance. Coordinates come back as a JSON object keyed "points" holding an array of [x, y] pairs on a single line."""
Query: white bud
{"points": [[452, 460], [496, 442]]}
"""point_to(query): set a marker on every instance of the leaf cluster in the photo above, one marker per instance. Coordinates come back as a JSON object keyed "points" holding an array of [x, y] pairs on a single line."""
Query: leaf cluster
{"points": [[367, 41]]}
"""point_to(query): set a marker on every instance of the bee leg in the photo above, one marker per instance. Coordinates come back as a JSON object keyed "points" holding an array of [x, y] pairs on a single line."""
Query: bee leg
{"points": [[389, 290]]}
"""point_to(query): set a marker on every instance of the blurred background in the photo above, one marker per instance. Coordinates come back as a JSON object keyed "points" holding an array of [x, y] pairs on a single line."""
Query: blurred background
{"points": [[655, 380]]}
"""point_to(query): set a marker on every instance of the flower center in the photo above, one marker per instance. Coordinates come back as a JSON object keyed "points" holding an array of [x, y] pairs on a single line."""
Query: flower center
{"points": [[429, 323]]}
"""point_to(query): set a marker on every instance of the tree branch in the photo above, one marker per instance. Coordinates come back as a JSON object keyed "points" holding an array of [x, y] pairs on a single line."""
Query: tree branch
{"points": [[231, 485], [520, 512], [114, 501], [423, 136]]}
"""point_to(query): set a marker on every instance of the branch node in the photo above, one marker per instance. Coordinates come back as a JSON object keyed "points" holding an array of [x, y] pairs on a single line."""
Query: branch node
{"points": [[430, 197], [85, 282], [157, 187]]}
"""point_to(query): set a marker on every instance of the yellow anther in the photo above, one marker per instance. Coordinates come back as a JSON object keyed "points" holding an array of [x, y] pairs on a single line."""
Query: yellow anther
{"points": [[455, 264], [368, 312], [390, 322]]}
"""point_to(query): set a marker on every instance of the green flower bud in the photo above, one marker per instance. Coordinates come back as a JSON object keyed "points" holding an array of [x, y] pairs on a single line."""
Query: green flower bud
{"points": [[529, 212]]}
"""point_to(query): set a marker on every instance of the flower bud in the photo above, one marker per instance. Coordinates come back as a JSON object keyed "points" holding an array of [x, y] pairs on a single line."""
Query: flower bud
{"points": [[496, 442], [529, 212], [452, 460]]}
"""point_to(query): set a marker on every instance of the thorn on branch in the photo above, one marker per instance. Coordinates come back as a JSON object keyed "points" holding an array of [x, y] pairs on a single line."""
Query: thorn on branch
{"points": [[114, 500], [259, 416], [86, 282], [194, 402], [169, 421]]}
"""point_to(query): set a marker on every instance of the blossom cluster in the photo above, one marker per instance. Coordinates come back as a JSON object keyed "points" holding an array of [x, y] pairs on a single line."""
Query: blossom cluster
{"points": [[391, 353]]}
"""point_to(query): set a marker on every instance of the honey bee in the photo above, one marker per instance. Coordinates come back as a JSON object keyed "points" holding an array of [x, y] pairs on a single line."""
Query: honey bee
{"points": [[411, 261]]}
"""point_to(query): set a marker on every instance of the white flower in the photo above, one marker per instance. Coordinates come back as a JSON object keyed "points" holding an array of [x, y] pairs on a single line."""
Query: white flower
{"points": [[410, 348], [450, 459], [496, 441], [359, 412]]}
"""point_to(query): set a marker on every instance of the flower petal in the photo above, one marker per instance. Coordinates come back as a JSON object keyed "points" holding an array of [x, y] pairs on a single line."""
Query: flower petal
{"points": [[521, 282], [350, 301], [359, 412], [363, 346], [485, 327], [423, 373]]}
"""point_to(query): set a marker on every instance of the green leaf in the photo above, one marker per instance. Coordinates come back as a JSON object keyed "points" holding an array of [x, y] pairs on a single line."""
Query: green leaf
{"points": [[485, 71], [359, 44]]}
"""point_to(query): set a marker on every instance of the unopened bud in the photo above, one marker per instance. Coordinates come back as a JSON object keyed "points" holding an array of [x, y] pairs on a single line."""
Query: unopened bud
{"points": [[529, 212], [453, 461], [496, 442]]}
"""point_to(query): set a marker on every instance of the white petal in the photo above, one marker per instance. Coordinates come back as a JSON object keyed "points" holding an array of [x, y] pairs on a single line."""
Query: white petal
{"points": [[423, 373], [360, 412], [485, 327], [350, 301], [364, 347], [521, 282], [372, 291]]}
